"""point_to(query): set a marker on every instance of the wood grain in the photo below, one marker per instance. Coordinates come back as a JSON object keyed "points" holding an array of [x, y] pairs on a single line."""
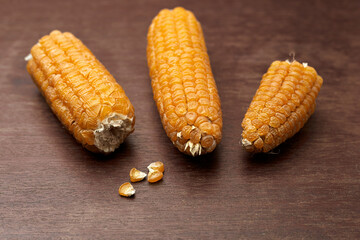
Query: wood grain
{"points": [[51, 188]]}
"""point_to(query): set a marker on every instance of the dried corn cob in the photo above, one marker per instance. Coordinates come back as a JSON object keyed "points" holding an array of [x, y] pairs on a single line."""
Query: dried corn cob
{"points": [[281, 106], [81, 92], [183, 84]]}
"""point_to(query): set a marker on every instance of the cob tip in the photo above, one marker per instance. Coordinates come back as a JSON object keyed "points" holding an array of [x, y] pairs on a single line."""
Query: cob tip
{"points": [[248, 146], [205, 144], [305, 64], [112, 131], [194, 149]]}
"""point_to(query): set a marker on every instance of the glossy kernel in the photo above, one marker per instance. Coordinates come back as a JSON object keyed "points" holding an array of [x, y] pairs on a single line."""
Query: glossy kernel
{"points": [[155, 176], [156, 166], [126, 190], [136, 175]]}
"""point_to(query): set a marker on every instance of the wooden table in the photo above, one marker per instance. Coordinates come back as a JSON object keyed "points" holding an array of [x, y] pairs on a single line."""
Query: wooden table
{"points": [[51, 188]]}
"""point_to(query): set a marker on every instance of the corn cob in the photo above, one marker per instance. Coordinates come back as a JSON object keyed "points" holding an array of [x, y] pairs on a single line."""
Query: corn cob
{"points": [[281, 106], [183, 85], [81, 92]]}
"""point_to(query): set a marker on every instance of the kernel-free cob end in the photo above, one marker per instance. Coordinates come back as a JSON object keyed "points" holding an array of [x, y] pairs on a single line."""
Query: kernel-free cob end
{"points": [[281, 106], [81, 92]]}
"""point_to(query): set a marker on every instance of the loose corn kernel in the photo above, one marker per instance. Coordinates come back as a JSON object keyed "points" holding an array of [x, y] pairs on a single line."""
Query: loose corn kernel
{"points": [[136, 175], [155, 176], [81, 92], [156, 166], [282, 105], [126, 190], [183, 85]]}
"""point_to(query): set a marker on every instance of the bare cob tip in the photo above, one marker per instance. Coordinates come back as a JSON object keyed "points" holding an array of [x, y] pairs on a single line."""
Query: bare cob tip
{"points": [[112, 131], [292, 55]]}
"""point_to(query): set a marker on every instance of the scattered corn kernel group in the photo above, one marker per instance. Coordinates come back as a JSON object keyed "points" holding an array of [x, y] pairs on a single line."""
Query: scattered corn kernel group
{"points": [[156, 173], [183, 85], [155, 176], [281, 106], [81, 92]]}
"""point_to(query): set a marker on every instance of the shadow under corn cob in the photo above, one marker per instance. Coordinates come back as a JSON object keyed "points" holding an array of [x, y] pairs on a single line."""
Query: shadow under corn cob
{"points": [[81, 92], [281, 106], [183, 85]]}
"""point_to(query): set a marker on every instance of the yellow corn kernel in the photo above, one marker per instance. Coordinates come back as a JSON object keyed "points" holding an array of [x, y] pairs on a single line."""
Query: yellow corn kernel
{"points": [[155, 176], [156, 166], [282, 105], [136, 175], [126, 190], [183, 85], [81, 92]]}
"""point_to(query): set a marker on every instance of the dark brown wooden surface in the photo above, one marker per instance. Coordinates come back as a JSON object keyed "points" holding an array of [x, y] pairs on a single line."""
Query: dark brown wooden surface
{"points": [[50, 187]]}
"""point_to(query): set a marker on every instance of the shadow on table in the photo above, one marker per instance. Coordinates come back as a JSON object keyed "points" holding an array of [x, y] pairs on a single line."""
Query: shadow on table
{"points": [[97, 162], [283, 156], [99, 167], [200, 174], [124, 150], [114, 160], [200, 170], [203, 162]]}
